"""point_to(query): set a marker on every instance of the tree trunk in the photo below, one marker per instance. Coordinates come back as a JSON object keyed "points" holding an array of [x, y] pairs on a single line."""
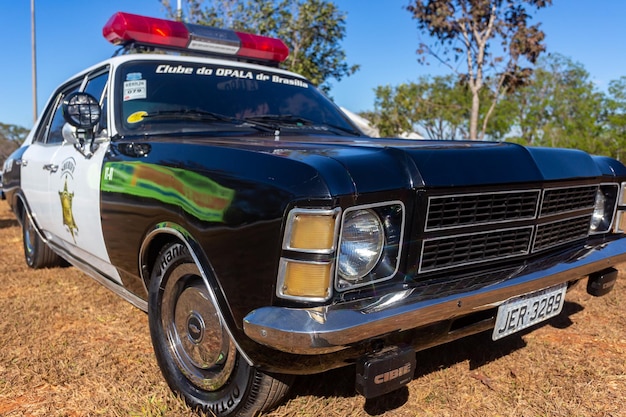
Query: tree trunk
{"points": [[473, 133]]}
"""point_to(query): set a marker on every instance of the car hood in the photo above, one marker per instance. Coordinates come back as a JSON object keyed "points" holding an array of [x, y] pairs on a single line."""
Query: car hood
{"points": [[375, 164], [323, 166]]}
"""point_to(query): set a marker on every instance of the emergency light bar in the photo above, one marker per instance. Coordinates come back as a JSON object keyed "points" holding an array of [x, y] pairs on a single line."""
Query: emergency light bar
{"points": [[124, 28]]}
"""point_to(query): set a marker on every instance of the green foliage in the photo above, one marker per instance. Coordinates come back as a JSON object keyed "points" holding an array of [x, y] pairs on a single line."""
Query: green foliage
{"points": [[615, 112], [558, 107], [434, 107], [493, 37], [312, 29], [11, 136], [561, 107]]}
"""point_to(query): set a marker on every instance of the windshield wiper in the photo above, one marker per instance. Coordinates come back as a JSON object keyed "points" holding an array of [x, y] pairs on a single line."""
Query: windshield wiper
{"points": [[281, 119], [277, 120], [207, 116], [189, 114]]}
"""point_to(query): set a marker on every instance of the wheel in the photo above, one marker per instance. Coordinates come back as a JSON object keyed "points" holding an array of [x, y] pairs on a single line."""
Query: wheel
{"points": [[196, 355], [36, 252]]}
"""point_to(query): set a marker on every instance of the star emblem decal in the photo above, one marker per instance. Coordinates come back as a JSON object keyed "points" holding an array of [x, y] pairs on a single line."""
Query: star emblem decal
{"points": [[66, 206]]}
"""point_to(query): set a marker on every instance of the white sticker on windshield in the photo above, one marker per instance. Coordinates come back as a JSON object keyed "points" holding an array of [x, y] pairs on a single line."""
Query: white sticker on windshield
{"points": [[135, 89]]}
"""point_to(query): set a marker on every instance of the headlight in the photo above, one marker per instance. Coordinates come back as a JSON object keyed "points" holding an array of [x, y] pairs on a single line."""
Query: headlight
{"points": [[324, 250], [604, 208], [598, 211], [362, 242]]}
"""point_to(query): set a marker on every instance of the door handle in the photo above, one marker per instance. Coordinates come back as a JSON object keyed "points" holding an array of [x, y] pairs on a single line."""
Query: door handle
{"points": [[51, 167]]}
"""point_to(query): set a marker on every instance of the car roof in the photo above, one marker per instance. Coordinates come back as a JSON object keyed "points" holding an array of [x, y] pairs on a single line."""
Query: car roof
{"points": [[121, 59]]}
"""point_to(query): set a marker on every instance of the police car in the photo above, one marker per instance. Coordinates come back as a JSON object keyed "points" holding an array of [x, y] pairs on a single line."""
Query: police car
{"points": [[266, 237]]}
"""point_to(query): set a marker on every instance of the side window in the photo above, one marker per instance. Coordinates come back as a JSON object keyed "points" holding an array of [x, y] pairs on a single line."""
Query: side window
{"points": [[50, 130], [96, 86], [55, 129]]}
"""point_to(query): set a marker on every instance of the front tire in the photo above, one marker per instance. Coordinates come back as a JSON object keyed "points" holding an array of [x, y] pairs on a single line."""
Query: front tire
{"points": [[36, 252], [195, 352]]}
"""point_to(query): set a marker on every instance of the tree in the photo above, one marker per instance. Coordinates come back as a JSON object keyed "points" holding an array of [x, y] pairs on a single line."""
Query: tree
{"points": [[435, 107], [615, 108], [470, 30], [312, 29], [11, 136], [561, 107]]}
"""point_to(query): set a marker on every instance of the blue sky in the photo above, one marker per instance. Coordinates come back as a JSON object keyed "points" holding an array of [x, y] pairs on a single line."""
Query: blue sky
{"points": [[381, 38]]}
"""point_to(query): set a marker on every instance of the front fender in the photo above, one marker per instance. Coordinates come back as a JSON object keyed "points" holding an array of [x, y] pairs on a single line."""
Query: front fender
{"points": [[168, 231]]}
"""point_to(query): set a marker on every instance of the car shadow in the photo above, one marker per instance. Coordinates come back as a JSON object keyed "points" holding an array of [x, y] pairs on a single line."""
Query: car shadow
{"points": [[7, 223], [478, 350]]}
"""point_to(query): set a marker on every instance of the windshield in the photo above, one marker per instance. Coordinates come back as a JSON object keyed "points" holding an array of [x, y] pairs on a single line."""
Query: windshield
{"points": [[179, 97]]}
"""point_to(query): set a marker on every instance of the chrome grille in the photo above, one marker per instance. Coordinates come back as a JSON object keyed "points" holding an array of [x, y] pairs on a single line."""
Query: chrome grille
{"points": [[471, 209], [441, 253], [563, 200], [502, 224], [563, 231]]}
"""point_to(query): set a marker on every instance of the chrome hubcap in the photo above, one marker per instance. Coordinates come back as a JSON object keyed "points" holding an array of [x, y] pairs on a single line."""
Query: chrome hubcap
{"points": [[198, 342]]}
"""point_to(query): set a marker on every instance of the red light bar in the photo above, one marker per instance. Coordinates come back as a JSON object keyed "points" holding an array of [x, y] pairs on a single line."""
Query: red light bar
{"points": [[123, 28], [126, 27], [262, 47]]}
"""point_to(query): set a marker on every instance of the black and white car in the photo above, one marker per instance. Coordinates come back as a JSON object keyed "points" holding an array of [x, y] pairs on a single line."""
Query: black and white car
{"points": [[267, 237]]}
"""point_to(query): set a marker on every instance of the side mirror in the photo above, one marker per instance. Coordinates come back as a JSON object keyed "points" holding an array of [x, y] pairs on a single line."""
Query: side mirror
{"points": [[81, 110], [69, 134]]}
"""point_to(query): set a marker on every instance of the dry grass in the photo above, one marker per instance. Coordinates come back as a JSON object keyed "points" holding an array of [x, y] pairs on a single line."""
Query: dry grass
{"points": [[68, 347]]}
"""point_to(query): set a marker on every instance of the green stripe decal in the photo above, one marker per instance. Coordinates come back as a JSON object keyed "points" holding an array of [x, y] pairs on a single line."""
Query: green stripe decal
{"points": [[197, 195]]}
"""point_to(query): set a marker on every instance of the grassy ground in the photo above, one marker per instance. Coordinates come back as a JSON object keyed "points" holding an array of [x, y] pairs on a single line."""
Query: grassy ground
{"points": [[68, 347]]}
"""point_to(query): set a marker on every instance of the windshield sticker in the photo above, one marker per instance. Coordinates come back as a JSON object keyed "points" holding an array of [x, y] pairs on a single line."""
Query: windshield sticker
{"points": [[135, 90], [137, 116], [242, 74], [289, 81], [133, 76]]}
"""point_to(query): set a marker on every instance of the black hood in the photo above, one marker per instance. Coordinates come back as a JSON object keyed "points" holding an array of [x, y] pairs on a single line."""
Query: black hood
{"points": [[323, 166], [383, 164]]}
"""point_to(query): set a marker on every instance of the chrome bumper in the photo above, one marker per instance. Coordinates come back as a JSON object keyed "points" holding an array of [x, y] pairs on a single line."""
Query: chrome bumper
{"points": [[319, 330]]}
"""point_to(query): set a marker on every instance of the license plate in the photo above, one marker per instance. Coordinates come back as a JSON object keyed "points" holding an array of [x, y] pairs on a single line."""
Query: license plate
{"points": [[521, 312]]}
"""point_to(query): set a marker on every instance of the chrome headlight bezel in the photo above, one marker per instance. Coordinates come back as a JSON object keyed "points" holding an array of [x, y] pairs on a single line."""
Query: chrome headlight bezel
{"points": [[384, 264], [603, 215], [620, 216], [362, 241]]}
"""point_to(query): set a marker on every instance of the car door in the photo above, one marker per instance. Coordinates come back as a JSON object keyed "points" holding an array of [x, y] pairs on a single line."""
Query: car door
{"points": [[36, 166], [74, 197]]}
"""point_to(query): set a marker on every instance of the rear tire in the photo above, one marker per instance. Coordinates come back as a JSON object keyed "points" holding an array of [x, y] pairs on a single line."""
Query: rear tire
{"points": [[36, 252], [195, 352]]}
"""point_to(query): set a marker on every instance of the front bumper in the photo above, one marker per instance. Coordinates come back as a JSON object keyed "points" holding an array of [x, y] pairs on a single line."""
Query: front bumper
{"points": [[319, 330]]}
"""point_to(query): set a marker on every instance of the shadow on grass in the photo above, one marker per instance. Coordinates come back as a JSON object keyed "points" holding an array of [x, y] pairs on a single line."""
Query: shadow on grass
{"points": [[477, 349]]}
